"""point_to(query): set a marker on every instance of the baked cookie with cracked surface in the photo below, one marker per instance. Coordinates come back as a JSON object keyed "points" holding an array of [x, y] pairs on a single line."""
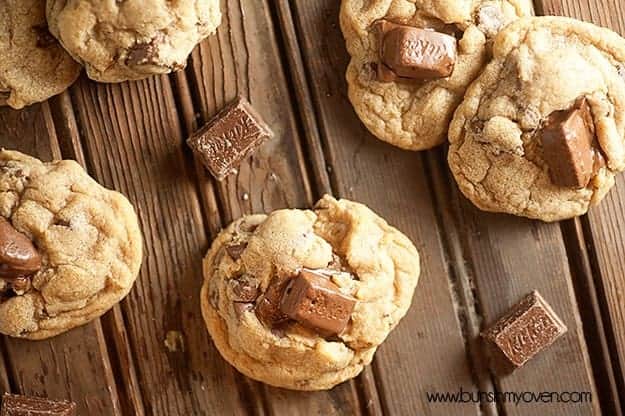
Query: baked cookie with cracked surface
{"points": [[541, 133], [69, 248], [412, 60], [33, 65], [301, 299], [131, 39]]}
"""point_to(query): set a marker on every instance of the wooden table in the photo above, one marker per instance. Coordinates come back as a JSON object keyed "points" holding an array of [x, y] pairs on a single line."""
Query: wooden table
{"points": [[289, 58]]}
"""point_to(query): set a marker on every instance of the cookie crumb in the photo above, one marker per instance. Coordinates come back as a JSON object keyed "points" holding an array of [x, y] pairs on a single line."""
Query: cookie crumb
{"points": [[174, 341]]}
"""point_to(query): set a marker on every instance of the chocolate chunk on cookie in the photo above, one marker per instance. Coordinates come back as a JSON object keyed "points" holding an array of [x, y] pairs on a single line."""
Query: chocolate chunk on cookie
{"points": [[18, 255], [315, 302], [568, 139], [415, 53]]}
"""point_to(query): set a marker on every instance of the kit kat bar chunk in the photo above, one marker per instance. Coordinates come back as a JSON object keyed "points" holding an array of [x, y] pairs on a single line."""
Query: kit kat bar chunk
{"points": [[315, 302], [415, 53], [233, 134], [17, 405], [530, 327], [567, 139]]}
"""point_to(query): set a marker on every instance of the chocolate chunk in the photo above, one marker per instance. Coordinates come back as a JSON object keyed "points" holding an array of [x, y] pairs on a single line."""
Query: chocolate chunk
{"points": [[315, 302], [268, 305], [229, 138], [530, 327], [415, 53], [568, 143], [144, 53], [241, 307], [235, 250], [17, 405], [18, 255], [244, 288]]}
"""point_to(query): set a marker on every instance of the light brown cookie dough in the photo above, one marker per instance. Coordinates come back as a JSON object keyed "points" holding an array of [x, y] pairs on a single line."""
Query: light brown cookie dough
{"points": [[251, 270], [414, 114], [33, 66], [541, 66], [86, 236], [131, 39]]}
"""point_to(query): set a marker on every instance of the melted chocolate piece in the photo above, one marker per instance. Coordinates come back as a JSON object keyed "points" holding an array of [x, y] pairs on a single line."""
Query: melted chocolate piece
{"points": [[244, 288], [316, 303], [568, 143], [414, 53], [229, 138], [17, 405], [18, 255], [530, 327], [235, 250], [268, 305]]}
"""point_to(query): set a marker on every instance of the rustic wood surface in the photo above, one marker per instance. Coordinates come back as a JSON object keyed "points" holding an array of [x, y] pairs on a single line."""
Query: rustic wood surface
{"points": [[288, 58]]}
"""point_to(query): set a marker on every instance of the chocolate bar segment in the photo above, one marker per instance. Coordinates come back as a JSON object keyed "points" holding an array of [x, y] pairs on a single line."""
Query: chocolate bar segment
{"points": [[229, 138], [315, 302], [268, 305], [18, 255], [410, 52], [568, 144], [17, 405], [530, 327]]}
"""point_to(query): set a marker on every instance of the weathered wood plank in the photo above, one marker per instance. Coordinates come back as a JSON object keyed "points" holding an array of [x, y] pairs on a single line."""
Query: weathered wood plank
{"points": [[132, 141], [426, 353], [74, 365], [243, 59], [605, 224]]}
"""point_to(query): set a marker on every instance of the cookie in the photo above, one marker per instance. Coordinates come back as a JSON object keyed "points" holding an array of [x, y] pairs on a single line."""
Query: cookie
{"points": [[302, 299], [33, 66], [540, 133], [69, 248], [131, 39], [412, 60]]}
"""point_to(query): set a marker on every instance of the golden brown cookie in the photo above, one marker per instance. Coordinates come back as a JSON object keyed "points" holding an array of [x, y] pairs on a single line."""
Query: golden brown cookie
{"points": [[69, 248], [302, 299], [414, 113], [33, 66], [131, 39], [541, 133]]}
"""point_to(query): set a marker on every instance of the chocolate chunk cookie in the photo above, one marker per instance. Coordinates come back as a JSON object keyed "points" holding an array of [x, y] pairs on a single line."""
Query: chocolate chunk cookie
{"points": [[302, 299], [541, 133], [131, 39], [412, 60], [69, 249], [33, 66]]}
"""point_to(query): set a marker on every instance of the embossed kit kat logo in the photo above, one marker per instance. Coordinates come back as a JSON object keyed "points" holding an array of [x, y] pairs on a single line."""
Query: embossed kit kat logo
{"points": [[418, 50]]}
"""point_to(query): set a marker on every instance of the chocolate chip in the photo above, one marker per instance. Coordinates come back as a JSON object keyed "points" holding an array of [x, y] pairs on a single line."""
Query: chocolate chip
{"points": [[244, 288], [18, 255], [229, 137], [567, 138], [17, 405], [144, 53], [415, 53], [235, 250], [268, 305], [528, 328], [316, 303]]}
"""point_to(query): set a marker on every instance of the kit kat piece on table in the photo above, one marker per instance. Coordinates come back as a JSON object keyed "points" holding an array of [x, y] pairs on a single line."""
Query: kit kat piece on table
{"points": [[17, 405], [232, 135], [530, 327]]}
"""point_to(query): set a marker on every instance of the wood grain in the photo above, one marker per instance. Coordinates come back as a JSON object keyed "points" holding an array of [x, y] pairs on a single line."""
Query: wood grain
{"points": [[604, 225], [243, 59], [426, 353], [74, 365], [132, 140]]}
